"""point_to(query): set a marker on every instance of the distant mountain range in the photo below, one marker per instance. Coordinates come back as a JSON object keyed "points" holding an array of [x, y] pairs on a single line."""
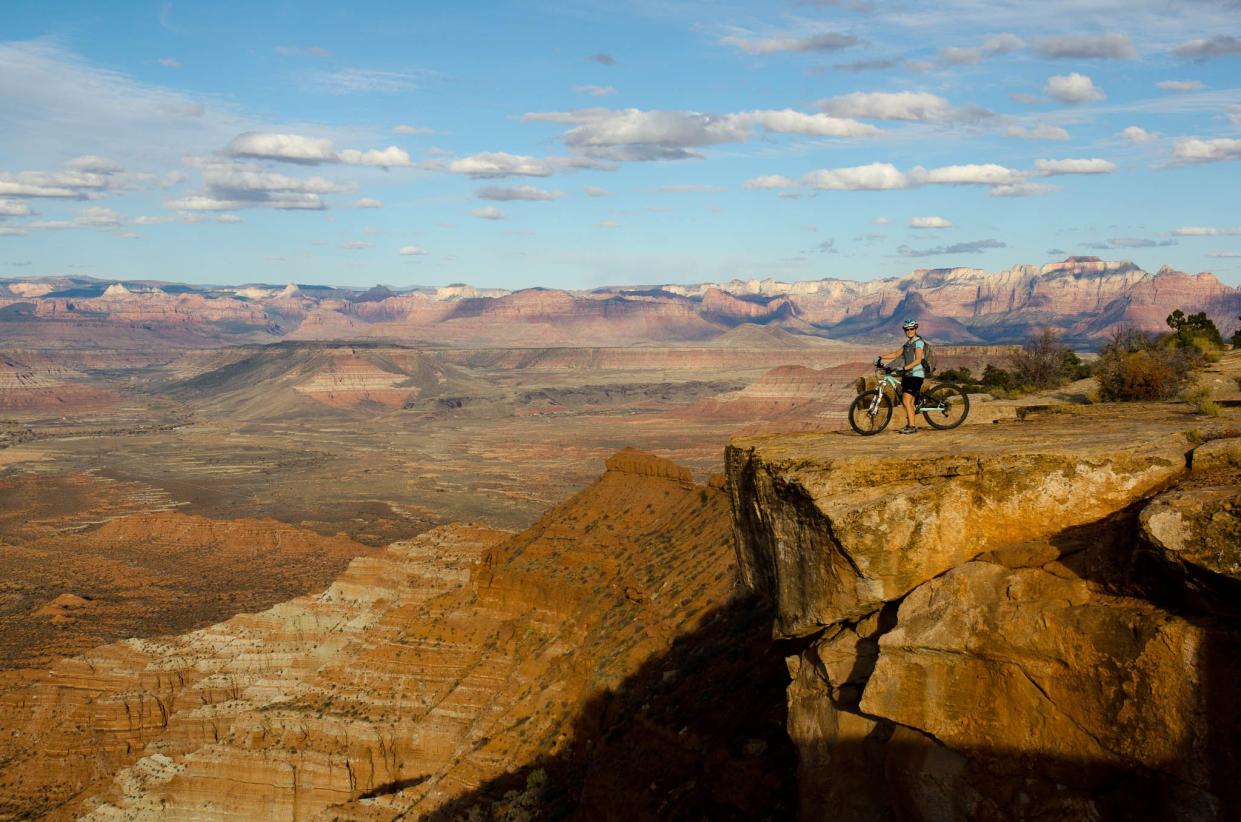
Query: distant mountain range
{"points": [[1085, 298]]}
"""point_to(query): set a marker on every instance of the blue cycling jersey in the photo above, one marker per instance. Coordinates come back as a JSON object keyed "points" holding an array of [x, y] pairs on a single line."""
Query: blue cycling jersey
{"points": [[909, 352]]}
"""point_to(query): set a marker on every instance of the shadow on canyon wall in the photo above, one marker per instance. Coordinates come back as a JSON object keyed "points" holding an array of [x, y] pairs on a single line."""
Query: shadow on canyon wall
{"points": [[699, 732]]}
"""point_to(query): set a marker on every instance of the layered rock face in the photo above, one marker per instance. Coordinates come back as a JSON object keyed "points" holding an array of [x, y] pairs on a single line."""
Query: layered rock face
{"points": [[1024, 621], [1084, 297], [424, 672], [35, 383]]}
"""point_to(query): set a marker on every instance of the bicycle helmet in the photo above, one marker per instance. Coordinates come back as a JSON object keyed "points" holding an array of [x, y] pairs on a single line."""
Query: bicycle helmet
{"points": [[909, 324]]}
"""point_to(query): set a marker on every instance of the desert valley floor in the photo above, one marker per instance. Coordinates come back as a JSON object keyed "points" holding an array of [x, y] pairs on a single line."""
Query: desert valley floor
{"points": [[318, 452]]}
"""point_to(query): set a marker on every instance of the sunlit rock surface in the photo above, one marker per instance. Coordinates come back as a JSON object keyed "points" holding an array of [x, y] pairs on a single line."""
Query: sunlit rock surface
{"points": [[424, 672], [1033, 620]]}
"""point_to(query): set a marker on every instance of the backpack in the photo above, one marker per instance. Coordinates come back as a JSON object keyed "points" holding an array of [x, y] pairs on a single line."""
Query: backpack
{"points": [[928, 357]]}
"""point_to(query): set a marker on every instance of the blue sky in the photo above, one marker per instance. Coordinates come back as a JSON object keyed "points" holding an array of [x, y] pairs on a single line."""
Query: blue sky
{"points": [[589, 143]]}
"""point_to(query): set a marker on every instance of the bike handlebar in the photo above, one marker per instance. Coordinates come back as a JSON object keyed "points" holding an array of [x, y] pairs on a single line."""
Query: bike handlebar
{"points": [[887, 369]]}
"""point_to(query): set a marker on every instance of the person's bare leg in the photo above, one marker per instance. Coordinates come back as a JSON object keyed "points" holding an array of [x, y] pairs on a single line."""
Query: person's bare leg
{"points": [[907, 400]]}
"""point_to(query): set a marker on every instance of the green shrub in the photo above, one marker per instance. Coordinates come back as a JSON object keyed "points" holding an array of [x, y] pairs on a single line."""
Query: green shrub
{"points": [[1134, 366], [960, 375], [1195, 330], [993, 377], [1072, 368], [1199, 398], [1236, 336]]}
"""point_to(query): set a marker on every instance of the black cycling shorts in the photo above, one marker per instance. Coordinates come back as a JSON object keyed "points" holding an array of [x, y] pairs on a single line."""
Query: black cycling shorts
{"points": [[911, 385]]}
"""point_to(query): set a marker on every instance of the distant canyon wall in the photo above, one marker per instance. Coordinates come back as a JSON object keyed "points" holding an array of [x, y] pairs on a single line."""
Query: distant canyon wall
{"points": [[1083, 297]]}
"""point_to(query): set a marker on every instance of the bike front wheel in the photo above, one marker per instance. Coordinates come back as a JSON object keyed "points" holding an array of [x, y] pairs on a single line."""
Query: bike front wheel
{"points": [[862, 420], [945, 406]]}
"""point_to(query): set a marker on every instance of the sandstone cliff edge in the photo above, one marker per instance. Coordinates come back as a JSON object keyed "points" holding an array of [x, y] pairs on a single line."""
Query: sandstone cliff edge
{"points": [[1022, 621]]}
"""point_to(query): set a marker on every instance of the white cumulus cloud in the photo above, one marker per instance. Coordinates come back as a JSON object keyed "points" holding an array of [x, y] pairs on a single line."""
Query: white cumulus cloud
{"points": [[1023, 189], [368, 202], [770, 181], [488, 213], [1137, 134], [231, 186], [1043, 132], [240, 179], [632, 134], [14, 208], [500, 164], [788, 121], [1072, 88], [967, 174], [1190, 150], [1095, 165], [390, 157], [290, 148], [602, 135], [298, 148], [413, 251], [929, 222], [885, 177], [872, 177], [17, 188], [881, 105]]}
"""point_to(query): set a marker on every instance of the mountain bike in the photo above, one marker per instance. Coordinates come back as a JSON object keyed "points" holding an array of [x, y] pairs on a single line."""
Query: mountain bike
{"points": [[943, 405]]}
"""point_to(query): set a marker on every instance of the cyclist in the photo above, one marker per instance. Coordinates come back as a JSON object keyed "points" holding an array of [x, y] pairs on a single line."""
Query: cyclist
{"points": [[912, 372]]}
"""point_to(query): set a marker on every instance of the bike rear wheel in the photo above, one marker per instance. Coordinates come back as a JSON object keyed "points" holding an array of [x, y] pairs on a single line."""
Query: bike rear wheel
{"points": [[860, 418], [948, 406]]}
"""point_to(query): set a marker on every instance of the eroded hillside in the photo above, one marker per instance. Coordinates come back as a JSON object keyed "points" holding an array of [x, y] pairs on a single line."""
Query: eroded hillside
{"points": [[428, 674]]}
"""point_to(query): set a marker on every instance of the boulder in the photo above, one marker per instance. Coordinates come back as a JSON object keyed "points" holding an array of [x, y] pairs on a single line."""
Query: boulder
{"points": [[1198, 526], [1218, 455], [1055, 691]]}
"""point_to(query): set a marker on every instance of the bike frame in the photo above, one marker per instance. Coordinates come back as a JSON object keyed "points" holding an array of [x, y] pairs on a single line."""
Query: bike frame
{"points": [[889, 382]]}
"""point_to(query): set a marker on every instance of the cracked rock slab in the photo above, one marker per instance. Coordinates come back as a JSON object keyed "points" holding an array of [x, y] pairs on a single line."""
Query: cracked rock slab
{"points": [[1025, 664]]}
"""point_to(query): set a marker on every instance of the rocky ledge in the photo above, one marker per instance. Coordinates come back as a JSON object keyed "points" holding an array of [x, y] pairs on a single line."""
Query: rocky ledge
{"points": [[1030, 620]]}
